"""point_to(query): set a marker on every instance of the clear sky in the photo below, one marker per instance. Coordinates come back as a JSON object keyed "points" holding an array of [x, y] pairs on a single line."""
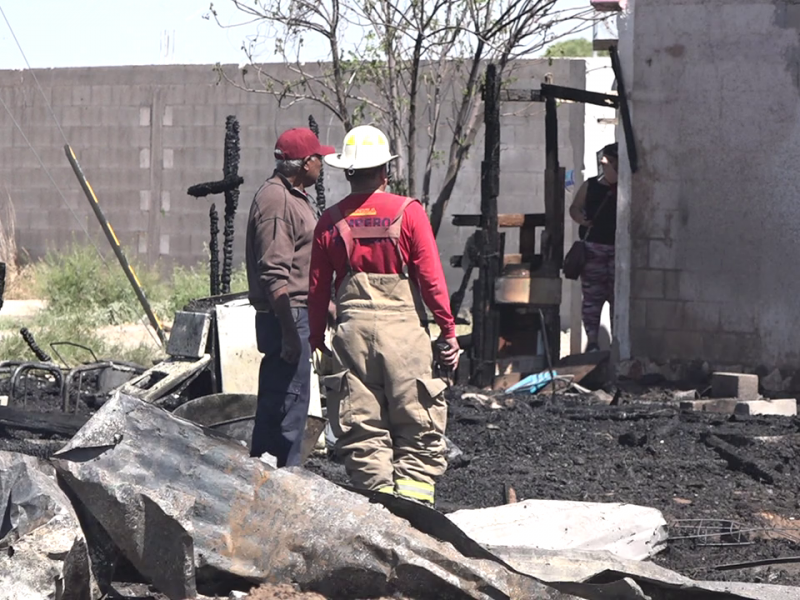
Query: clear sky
{"points": [[89, 33]]}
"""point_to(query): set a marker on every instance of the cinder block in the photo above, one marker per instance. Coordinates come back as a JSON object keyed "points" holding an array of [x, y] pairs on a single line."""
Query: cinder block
{"points": [[717, 405], [734, 385], [663, 254], [783, 407], [647, 284], [664, 314]]}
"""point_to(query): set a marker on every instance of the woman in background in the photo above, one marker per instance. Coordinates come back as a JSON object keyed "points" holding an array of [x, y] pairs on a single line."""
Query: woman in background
{"points": [[595, 210]]}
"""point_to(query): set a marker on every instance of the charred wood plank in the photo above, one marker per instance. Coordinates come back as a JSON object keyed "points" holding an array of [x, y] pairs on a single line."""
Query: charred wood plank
{"points": [[457, 261], [510, 220], [58, 423], [510, 95], [737, 461], [557, 92], [625, 113]]}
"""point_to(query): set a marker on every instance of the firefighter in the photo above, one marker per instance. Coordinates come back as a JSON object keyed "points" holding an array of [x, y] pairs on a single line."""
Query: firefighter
{"points": [[385, 407]]}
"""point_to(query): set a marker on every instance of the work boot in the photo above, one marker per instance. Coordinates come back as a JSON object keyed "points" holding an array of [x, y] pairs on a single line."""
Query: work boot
{"points": [[592, 347]]}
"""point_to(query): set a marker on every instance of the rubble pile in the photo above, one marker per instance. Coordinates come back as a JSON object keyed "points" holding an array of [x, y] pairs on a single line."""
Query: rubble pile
{"points": [[563, 496], [644, 451]]}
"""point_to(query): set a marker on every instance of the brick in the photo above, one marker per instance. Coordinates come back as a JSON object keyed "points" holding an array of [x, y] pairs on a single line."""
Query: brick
{"points": [[672, 285], [682, 345], [693, 285], [81, 95], [701, 316], [647, 283], [734, 385], [101, 95], [120, 95], [722, 348], [664, 314], [717, 405], [738, 319], [783, 407], [663, 254], [638, 314], [640, 252], [61, 96], [176, 94]]}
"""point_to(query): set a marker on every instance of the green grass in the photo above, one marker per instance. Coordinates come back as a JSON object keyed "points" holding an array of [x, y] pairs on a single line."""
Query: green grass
{"points": [[84, 294]]}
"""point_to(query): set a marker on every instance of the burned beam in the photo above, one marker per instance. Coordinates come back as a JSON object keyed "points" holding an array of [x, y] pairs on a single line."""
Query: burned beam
{"points": [[520, 96], [624, 109], [737, 461], [457, 261], [57, 422], [553, 236], [489, 241], [558, 92], [215, 187], [505, 221]]}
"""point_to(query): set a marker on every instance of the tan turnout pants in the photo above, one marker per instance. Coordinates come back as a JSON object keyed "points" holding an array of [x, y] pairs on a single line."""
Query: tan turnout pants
{"points": [[387, 411]]}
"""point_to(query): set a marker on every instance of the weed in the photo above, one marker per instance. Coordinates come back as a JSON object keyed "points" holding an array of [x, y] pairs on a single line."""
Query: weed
{"points": [[78, 282], [84, 295]]}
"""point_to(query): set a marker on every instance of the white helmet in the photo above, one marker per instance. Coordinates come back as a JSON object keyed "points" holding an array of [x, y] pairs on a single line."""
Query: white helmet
{"points": [[365, 147]]}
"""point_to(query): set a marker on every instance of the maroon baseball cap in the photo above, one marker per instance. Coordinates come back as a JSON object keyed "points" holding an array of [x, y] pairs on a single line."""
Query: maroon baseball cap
{"points": [[299, 143]]}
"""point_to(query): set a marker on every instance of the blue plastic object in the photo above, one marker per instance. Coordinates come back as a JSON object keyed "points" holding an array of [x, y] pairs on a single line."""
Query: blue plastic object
{"points": [[533, 383]]}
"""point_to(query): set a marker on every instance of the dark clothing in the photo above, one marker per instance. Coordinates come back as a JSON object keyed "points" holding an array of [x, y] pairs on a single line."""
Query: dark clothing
{"points": [[601, 210], [597, 283], [283, 391], [280, 231]]}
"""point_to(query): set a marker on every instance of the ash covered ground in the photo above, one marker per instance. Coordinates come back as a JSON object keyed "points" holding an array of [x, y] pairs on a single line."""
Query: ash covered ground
{"points": [[643, 451]]}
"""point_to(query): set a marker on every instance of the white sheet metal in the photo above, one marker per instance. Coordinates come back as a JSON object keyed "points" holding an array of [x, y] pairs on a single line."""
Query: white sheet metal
{"points": [[625, 530], [239, 358]]}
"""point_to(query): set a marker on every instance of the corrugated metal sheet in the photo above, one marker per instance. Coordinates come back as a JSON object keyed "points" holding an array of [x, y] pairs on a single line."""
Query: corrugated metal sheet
{"points": [[176, 497]]}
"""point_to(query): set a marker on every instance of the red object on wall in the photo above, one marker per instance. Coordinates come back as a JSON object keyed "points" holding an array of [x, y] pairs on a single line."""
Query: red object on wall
{"points": [[609, 5]]}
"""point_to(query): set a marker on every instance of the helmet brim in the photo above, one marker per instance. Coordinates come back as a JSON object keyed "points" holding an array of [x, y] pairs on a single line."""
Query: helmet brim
{"points": [[339, 161]]}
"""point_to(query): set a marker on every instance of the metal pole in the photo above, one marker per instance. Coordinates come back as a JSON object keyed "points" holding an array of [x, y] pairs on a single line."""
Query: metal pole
{"points": [[115, 245]]}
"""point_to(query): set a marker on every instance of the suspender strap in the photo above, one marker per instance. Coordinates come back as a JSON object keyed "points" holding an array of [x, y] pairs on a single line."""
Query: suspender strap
{"points": [[348, 234], [344, 232]]}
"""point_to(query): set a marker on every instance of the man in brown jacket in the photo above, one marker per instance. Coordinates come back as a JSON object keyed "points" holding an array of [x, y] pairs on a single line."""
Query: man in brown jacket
{"points": [[280, 231]]}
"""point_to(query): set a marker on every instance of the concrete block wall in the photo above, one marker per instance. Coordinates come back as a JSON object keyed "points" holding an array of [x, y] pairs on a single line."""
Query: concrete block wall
{"points": [[143, 135], [711, 219]]}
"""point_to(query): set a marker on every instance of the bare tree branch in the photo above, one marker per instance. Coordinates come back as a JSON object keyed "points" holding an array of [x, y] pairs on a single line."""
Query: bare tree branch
{"points": [[411, 59]]}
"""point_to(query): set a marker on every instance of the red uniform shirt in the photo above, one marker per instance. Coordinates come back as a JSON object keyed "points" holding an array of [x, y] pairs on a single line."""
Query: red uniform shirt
{"points": [[416, 244]]}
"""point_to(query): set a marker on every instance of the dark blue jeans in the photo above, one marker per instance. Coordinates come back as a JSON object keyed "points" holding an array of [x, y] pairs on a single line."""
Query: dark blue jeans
{"points": [[283, 391]]}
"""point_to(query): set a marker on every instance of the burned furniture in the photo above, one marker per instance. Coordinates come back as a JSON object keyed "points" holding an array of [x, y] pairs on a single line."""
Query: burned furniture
{"points": [[516, 297]]}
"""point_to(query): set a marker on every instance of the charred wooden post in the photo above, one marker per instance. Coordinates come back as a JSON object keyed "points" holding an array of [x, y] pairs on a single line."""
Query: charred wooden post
{"points": [[489, 240], [229, 186], [553, 236], [230, 168], [213, 247], [2, 282], [319, 186]]}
